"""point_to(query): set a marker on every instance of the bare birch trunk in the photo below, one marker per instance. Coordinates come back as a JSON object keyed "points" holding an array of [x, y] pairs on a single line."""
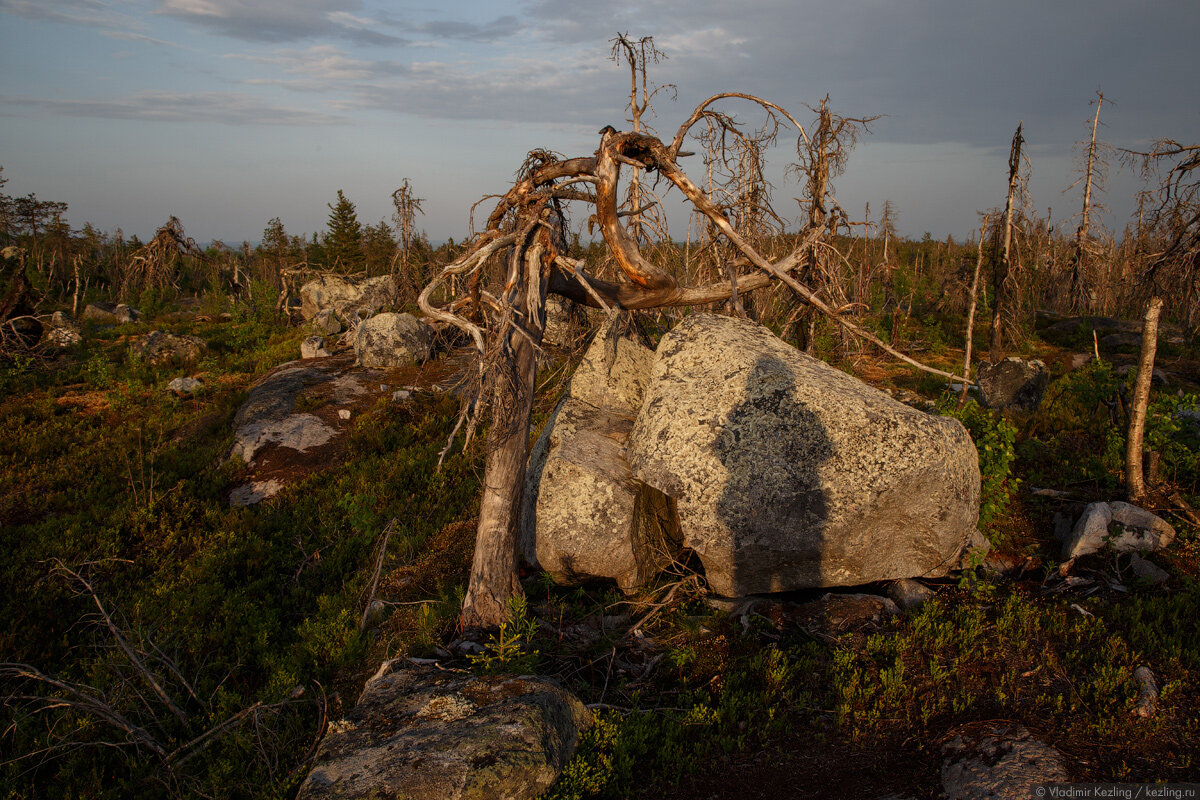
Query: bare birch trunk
{"points": [[962, 398], [1134, 484]]}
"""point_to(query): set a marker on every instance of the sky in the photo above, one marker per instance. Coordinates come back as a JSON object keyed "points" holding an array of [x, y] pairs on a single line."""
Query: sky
{"points": [[226, 113]]}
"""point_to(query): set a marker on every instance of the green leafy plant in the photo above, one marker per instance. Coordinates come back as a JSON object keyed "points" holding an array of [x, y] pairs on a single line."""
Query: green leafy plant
{"points": [[995, 439]]}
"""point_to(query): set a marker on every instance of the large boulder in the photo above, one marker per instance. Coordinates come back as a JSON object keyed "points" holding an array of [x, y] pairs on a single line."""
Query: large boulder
{"points": [[392, 340], [160, 349], [421, 732], [348, 297], [1013, 383], [790, 474], [585, 516]]}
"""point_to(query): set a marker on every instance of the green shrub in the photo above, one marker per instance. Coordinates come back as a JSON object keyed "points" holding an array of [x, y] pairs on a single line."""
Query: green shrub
{"points": [[995, 439]]}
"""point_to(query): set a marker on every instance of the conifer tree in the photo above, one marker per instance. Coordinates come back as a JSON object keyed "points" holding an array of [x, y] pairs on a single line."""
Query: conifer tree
{"points": [[343, 241]]}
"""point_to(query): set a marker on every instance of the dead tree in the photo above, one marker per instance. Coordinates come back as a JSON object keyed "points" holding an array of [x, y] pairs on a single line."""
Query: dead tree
{"points": [[505, 323], [821, 157], [1094, 173], [154, 265], [1002, 265], [637, 54], [1172, 229], [970, 335], [405, 216]]}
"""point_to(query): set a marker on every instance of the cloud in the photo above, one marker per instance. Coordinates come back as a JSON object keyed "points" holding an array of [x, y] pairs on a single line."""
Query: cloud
{"points": [[229, 108], [281, 20], [323, 65], [90, 13]]}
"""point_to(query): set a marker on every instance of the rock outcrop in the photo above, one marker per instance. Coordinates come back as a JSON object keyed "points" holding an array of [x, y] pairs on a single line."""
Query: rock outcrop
{"points": [[790, 474], [1013, 383], [392, 340], [420, 732], [347, 297], [1000, 761], [585, 516], [1123, 527]]}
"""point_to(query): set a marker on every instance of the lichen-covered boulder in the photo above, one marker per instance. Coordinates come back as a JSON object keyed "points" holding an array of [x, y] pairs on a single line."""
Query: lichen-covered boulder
{"points": [[585, 516], [61, 331], [392, 340], [1123, 527], [346, 296], [1013, 383], [419, 733], [790, 474], [159, 348]]}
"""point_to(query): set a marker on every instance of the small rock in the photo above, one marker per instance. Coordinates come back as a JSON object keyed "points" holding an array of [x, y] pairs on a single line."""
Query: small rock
{"points": [[327, 322], [1147, 570], [909, 593], [1147, 702], [400, 394], [126, 314], [314, 347], [161, 349], [251, 493], [184, 387], [1013, 383], [1123, 527], [1001, 761], [344, 413], [61, 336]]}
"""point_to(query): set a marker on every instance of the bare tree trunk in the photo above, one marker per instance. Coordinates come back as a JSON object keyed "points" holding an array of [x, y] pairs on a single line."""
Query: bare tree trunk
{"points": [[1134, 485], [494, 567], [962, 398], [1003, 264], [75, 299], [1079, 248]]}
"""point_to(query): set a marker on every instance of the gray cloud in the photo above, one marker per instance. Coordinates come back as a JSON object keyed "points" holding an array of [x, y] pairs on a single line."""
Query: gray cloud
{"points": [[942, 70], [281, 20], [90, 13], [228, 108]]}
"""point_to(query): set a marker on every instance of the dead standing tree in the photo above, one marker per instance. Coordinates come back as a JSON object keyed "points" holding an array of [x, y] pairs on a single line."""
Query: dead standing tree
{"points": [[822, 157], [638, 54], [1095, 172], [1002, 300], [526, 231], [1173, 270]]}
